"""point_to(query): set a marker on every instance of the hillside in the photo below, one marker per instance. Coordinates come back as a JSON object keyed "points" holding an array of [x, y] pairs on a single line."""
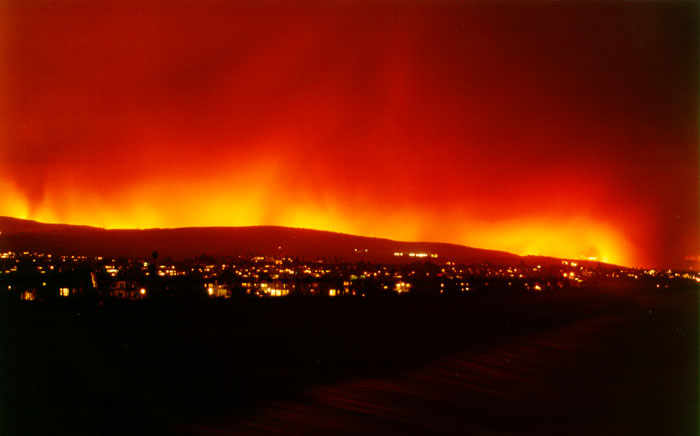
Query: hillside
{"points": [[179, 243]]}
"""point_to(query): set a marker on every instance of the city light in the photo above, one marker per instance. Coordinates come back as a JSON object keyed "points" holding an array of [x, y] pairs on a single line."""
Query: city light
{"points": [[276, 277]]}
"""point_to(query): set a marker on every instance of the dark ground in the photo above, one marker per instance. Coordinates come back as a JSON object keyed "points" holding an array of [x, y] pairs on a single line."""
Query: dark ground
{"points": [[578, 362]]}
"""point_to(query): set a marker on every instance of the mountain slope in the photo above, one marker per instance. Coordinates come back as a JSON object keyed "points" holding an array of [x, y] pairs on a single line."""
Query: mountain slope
{"points": [[23, 235]]}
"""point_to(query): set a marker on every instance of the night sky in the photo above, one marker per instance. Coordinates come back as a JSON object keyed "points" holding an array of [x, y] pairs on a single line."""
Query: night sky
{"points": [[554, 128]]}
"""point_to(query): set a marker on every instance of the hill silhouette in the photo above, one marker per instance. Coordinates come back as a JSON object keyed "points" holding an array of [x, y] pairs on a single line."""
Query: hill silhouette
{"points": [[179, 243]]}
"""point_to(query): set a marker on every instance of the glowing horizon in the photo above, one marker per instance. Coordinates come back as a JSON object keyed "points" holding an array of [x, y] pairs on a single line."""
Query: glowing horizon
{"points": [[461, 123], [585, 238]]}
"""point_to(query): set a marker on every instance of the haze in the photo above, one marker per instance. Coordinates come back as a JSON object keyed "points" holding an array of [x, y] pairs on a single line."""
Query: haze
{"points": [[562, 129]]}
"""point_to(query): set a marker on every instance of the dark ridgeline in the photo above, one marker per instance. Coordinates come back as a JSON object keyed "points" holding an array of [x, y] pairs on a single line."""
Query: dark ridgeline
{"points": [[22, 235]]}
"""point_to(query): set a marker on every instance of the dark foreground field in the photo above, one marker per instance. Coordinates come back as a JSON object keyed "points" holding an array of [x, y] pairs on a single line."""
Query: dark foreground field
{"points": [[579, 362]]}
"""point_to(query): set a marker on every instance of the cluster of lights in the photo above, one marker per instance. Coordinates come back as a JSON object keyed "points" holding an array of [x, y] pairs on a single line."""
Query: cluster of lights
{"points": [[402, 287], [279, 277], [401, 254], [269, 291]]}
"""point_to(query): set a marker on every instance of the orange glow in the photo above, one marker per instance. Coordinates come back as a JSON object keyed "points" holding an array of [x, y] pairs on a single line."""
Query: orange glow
{"points": [[150, 205], [574, 238], [453, 122]]}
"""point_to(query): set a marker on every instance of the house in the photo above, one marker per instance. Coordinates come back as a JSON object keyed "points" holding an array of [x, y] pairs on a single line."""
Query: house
{"points": [[127, 289]]}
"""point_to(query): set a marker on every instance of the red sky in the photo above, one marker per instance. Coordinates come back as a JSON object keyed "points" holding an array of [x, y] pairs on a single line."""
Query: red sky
{"points": [[555, 128]]}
